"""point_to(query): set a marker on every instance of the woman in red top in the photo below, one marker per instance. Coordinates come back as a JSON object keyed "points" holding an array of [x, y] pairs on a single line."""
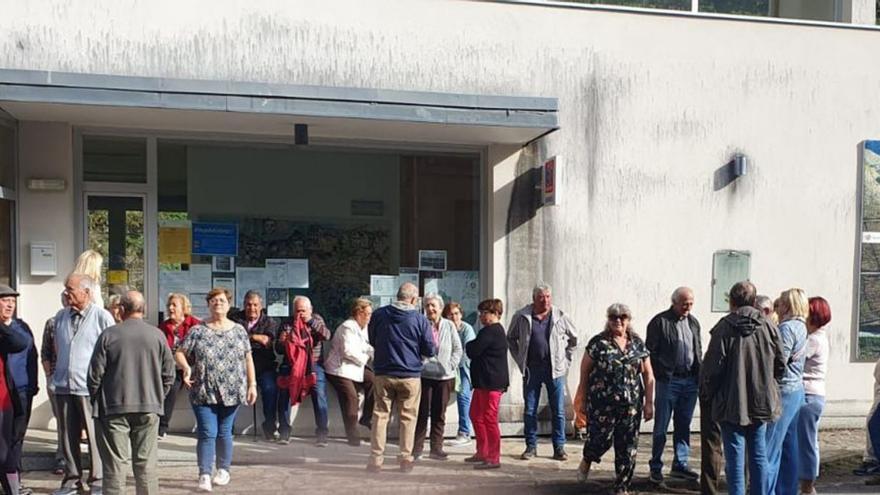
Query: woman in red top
{"points": [[175, 327]]}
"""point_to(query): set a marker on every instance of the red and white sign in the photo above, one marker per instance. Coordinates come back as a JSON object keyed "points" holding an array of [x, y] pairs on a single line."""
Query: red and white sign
{"points": [[550, 181]]}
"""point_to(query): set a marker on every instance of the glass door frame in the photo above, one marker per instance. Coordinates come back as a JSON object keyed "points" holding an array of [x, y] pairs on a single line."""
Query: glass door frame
{"points": [[10, 194], [147, 191]]}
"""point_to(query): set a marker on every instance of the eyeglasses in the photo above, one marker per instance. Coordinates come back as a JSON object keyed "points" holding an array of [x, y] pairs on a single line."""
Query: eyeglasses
{"points": [[618, 317]]}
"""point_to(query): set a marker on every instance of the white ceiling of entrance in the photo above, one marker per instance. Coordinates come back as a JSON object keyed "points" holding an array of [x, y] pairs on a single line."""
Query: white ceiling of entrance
{"points": [[271, 126]]}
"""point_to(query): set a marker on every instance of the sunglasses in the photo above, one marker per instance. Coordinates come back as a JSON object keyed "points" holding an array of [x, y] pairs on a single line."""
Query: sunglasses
{"points": [[618, 317]]}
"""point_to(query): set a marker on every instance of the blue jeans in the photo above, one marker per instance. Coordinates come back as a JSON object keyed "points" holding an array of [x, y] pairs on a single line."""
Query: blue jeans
{"points": [[782, 446], [735, 439], [874, 430], [532, 382], [808, 436], [214, 427], [674, 398], [269, 396], [463, 398], [319, 403]]}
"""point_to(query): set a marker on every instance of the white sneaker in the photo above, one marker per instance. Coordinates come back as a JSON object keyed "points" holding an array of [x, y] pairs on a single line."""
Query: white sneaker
{"points": [[459, 441], [205, 483], [221, 478]]}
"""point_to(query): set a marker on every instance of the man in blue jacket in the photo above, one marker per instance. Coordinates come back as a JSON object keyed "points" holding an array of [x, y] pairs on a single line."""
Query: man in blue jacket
{"points": [[401, 337]]}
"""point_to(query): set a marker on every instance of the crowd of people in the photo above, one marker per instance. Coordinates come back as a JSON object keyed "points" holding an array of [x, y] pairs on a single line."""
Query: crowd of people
{"points": [[113, 380]]}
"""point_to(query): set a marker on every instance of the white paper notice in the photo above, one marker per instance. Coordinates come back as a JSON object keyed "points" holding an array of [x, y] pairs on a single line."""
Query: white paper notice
{"points": [[246, 279], [200, 279], [432, 260], [298, 273], [229, 283], [176, 281], [408, 275], [277, 303], [199, 305], [287, 273], [383, 285]]}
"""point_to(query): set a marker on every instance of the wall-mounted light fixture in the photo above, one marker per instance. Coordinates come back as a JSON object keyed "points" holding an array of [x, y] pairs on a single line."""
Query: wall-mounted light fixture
{"points": [[300, 134], [740, 165]]}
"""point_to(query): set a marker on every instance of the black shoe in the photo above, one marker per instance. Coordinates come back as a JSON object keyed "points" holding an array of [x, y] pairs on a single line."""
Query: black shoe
{"points": [[529, 453], [560, 455], [268, 434], [684, 473], [487, 465], [438, 456], [473, 458], [365, 423], [284, 438], [354, 442], [656, 478], [321, 441], [867, 469]]}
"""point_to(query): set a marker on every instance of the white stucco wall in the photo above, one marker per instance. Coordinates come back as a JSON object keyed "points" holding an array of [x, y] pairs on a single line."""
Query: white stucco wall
{"points": [[650, 106]]}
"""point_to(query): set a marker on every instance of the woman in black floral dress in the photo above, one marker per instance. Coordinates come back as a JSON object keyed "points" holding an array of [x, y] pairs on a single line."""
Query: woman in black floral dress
{"points": [[619, 386]]}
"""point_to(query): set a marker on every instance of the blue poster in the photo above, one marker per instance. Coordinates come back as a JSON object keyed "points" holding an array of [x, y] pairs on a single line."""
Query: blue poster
{"points": [[215, 239]]}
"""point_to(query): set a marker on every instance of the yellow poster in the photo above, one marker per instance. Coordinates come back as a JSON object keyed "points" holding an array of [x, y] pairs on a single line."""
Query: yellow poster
{"points": [[175, 244], [117, 277]]}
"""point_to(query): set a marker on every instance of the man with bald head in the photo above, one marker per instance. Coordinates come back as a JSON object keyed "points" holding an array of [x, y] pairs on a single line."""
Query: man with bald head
{"points": [[401, 337], [77, 328], [130, 373], [673, 337]]}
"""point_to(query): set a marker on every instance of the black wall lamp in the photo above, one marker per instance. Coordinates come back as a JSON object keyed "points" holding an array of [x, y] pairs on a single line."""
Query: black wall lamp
{"points": [[300, 134]]}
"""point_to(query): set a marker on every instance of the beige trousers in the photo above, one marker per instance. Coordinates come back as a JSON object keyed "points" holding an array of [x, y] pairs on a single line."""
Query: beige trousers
{"points": [[389, 391]]}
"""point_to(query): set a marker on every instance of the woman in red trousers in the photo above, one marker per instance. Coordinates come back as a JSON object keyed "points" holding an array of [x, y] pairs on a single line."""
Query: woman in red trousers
{"points": [[488, 353]]}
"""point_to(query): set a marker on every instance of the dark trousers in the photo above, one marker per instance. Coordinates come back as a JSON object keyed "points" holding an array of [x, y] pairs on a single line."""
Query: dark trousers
{"points": [[168, 406], [435, 397], [347, 391], [710, 450], [617, 426], [266, 379], [75, 413]]}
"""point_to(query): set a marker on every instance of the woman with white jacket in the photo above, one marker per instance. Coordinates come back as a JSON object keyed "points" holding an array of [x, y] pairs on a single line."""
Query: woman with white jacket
{"points": [[347, 370]]}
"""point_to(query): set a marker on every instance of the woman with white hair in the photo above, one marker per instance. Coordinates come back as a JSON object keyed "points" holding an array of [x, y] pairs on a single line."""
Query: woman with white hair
{"points": [[438, 379]]}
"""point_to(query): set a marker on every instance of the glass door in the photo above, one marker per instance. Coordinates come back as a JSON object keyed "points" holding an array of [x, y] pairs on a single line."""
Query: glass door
{"points": [[115, 228]]}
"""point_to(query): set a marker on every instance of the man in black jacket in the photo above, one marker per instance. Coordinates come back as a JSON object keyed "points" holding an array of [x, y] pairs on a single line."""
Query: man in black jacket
{"points": [[673, 338], [130, 373], [738, 379], [262, 332]]}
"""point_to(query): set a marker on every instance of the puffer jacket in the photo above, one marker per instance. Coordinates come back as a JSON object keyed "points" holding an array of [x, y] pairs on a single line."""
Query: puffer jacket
{"points": [[563, 339], [741, 368], [444, 365]]}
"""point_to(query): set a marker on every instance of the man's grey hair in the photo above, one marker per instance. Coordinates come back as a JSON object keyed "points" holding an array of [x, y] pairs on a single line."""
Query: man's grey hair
{"points": [[132, 302], [305, 300], [763, 302], [407, 292], [251, 294], [433, 297], [679, 293], [84, 281], [540, 288]]}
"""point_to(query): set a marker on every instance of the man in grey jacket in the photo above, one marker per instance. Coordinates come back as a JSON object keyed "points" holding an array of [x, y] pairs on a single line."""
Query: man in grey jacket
{"points": [[541, 339], [77, 328], [130, 373]]}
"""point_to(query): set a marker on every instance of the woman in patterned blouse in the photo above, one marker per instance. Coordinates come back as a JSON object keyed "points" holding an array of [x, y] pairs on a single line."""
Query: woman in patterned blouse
{"points": [[618, 383], [218, 370]]}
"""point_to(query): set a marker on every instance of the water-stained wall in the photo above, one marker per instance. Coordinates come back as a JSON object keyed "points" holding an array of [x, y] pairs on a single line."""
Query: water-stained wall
{"points": [[651, 106]]}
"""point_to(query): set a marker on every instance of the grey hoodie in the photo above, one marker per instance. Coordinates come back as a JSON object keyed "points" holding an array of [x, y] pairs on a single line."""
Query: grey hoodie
{"points": [[741, 367]]}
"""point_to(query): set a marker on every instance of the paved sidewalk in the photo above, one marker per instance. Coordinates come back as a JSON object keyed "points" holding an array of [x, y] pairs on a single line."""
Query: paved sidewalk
{"points": [[266, 468]]}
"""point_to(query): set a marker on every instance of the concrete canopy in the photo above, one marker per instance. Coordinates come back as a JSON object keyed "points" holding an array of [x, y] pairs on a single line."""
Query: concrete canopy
{"points": [[273, 109]]}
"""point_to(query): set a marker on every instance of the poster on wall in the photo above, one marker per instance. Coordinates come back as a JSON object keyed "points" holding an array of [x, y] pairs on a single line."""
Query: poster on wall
{"points": [[175, 243], [248, 278], [462, 287], [383, 285], [287, 273], [432, 260], [215, 239], [200, 278], [199, 304], [224, 264], [408, 274], [227, 283], [173, 281], [277, 302]]}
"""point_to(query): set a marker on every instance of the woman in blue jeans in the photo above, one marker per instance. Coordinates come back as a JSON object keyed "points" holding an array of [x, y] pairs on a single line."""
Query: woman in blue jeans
{"points": [[452, 312], [218, 370], [782, 437], [815, 367]]}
